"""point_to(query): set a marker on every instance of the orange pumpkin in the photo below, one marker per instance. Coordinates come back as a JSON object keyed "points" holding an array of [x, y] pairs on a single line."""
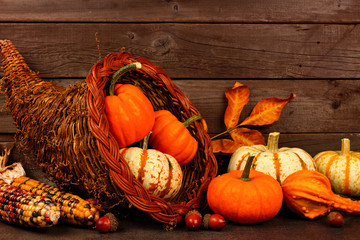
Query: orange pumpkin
{"points": [[170, 136], [308, 193], [342, 168], [129, 112], [246, 197]]}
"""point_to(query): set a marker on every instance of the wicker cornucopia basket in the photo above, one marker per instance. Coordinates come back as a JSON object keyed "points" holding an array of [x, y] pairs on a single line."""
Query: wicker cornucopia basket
{"points": [[67, 131]]}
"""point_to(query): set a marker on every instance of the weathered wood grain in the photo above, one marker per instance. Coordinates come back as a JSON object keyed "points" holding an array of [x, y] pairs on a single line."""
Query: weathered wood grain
{"points": [[321, 106], [312, 143], [195, 50], [310, 48], [285, 225], [256, 11]]}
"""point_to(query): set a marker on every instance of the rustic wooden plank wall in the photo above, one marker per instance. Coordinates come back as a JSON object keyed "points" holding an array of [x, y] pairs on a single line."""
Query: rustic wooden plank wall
{"points": [[310, 48]]}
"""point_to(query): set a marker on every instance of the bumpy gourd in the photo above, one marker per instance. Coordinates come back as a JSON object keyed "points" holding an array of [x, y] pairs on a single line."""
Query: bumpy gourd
{"points": [[342, 168], [308, 193], [278, 163]]}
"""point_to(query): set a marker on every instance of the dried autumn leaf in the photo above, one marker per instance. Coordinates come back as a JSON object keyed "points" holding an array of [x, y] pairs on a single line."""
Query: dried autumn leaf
{"points": [[204, 124], [247, 136], [267, 111], [238, 97], [224, 146]]}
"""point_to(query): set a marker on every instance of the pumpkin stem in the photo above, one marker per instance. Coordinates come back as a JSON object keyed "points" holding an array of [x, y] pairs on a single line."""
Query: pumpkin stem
{"points": [[119, 73], [246, 172], [345, 146], [273, 142], [191, 120], [145, 142]]}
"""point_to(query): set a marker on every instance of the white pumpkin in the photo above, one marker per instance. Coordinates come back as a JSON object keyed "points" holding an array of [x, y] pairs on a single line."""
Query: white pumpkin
{"points": [[159, 173], [342, 168], [278, 163]]}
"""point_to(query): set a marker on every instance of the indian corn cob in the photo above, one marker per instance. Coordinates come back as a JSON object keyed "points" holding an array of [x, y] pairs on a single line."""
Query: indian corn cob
{"points": [[21, 207], [73, 209]]}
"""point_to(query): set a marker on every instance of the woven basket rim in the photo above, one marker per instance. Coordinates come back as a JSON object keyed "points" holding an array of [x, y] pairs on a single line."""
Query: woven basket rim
{"points": [[158, 208]]}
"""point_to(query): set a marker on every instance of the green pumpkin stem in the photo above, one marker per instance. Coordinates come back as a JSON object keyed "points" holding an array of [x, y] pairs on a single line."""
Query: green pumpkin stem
{"points": [[245, 176], [145, 141], [273, 142], [191, 120], [345, 147], [119, 73]]}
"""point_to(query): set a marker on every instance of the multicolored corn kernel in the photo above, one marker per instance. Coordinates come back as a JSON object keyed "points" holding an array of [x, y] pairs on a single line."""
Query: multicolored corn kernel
{"points": [[73, 208], [18, 206]]}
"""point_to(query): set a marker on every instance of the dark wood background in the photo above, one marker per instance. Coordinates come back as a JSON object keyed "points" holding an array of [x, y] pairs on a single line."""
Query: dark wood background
{"points": [[310, 48]]}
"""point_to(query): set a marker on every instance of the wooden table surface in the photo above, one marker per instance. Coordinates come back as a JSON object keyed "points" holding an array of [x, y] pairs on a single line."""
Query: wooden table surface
{"points": [[284, 226]]}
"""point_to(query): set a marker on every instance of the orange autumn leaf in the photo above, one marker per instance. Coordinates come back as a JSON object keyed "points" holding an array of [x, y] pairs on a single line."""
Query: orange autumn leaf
{"points": [[204, 124], [267, 111], [224, 146], [247, 136], [238, 97]]}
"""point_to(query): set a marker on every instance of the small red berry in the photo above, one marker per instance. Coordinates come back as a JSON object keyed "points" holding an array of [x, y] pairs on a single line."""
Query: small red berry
{"points": [[107, 223], [335, 219], [193, 220], [214, 222]]}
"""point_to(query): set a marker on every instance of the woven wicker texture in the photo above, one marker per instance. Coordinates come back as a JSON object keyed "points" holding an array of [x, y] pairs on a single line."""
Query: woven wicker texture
{"points": [[68, 133]]}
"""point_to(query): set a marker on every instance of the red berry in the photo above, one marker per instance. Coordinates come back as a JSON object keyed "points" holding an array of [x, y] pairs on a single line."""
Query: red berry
{"points": [[107, 223], [193, 220], [214, 222], [335, 219]]}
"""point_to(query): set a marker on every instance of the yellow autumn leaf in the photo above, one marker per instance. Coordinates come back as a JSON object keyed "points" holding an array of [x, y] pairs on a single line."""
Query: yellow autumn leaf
{"points": [[247, 137], [267, 111], [238, 97], [224, 146]]}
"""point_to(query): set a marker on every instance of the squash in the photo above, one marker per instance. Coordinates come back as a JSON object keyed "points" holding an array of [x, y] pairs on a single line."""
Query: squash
{"points": [[278, 163], [246, 197], [171, 136], [129, 112], [159, 173], [342, 168], [308, 194]]}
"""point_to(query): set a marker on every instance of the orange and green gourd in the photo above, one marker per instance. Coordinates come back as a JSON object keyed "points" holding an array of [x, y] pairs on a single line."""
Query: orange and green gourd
{"points": [[129, 112], [245, 197], [171, 136]]}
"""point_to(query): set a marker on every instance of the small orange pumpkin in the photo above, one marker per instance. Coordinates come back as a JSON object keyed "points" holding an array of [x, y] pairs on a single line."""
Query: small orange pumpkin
{"points": [[170, 136], [129, 112], [246, 197], [308, 193], [342, 168]]}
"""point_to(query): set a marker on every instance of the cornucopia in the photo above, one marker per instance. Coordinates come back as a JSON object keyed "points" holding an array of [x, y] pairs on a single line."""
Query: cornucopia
{"points": [[65, 128]]}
